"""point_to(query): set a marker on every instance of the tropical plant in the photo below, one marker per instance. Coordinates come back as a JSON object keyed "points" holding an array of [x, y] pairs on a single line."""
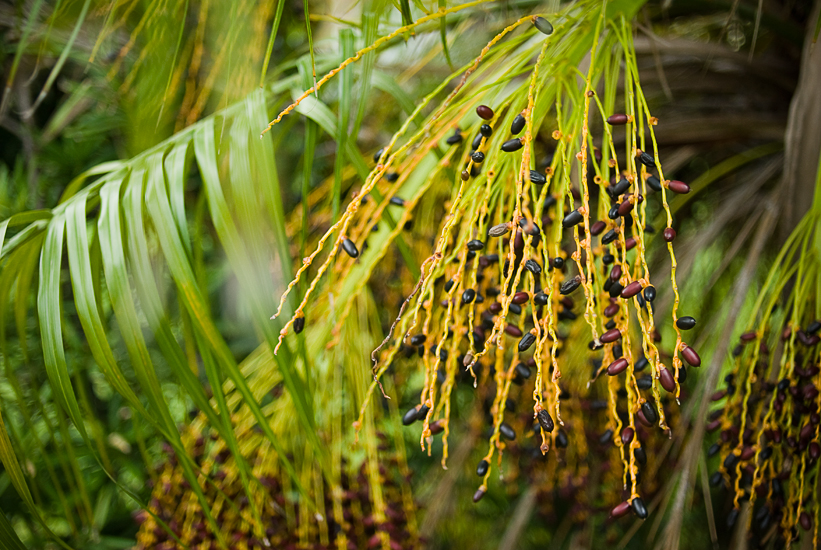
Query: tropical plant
{"points": [[512, 278]]}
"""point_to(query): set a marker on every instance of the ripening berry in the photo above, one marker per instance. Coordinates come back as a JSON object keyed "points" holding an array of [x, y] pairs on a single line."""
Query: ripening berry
{"points": [[349, 247], [647, 159], [570, 285], [678, 187], [617, 119], [484, 112], [537, 178], [455, 138], [638, 508], [690, 355], [518, 124], [544, 26], [685, 323], [573, 218], [545, 420], [475, 245], [512, 145]]}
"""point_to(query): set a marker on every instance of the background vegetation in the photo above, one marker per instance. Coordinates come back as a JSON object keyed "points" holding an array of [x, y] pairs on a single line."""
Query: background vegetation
{"points": [[148, 232]]}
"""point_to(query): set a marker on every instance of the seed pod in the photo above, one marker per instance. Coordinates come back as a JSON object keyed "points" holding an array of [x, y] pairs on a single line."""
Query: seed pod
{"points": [[513, 330], [486, 130], [573, 218], [468, 295], [299, 324], [650, 293], [606, 437], [644, 383], [480, 492], [654, 183], [690, 355], [481, 470], [512, 145], [561, 439], [507, 431], [631, 290], [499, 230], [649, 412], [518, 124], [641, 456], [678, 187], [455, 138], [669, 234], [617, 367], [526, 341], [349, 247], [484, 112], [522, 370], [685, 323], [597, 228], [667, 380], [410, 417], [647, 159], [610, 336], [620, 510], [609, 237], [570, 285], [475, 245], [540, 299], [627, 435], [378, 154], [537, 178], [545, 420], [543, 25], [558, 263], [478, 157]]}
